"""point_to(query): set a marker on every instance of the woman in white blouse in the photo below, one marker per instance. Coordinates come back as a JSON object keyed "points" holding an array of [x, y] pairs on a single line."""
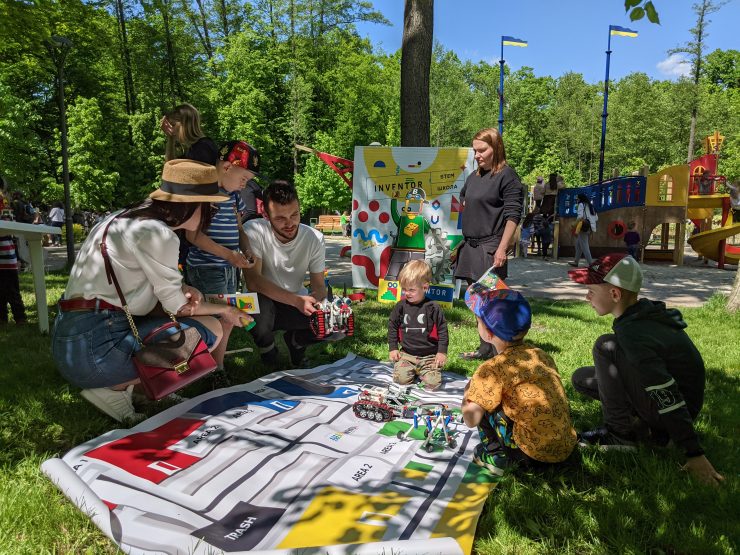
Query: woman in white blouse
{"points": [[92, 342]]}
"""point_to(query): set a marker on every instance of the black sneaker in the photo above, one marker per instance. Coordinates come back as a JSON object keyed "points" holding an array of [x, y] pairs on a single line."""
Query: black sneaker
{"points": [[270, 358], [297, 352], [605, 439]]}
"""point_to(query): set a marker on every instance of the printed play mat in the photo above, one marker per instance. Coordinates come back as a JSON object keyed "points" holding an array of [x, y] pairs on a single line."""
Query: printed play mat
{"points": [[329, 460]]}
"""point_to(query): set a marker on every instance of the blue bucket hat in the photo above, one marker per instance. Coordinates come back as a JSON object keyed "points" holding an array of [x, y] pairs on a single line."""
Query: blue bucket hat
{"points": [[505, 312]]}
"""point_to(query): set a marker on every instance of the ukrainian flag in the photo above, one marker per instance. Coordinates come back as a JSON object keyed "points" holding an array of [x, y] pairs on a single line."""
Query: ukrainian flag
{"points": [[622, 31], [511, 41]]}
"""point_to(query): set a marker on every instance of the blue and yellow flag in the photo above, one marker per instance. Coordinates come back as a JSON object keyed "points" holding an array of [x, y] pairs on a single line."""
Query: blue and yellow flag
{"points": [[511, 41], [622, 31]]}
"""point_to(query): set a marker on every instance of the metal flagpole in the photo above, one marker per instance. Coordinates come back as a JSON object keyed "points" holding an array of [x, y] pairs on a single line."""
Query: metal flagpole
{"points": [[606, 101], [501, 92]]}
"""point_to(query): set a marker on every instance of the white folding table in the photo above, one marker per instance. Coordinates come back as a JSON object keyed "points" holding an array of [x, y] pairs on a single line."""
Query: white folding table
{"points": [[33, 234]]}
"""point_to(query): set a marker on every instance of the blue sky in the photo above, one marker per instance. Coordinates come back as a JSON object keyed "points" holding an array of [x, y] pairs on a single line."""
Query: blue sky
{"points": [[563, 35]]}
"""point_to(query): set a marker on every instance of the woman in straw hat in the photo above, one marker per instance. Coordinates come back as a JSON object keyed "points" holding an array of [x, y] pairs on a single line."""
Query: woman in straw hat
{"points": [[92, 342]]}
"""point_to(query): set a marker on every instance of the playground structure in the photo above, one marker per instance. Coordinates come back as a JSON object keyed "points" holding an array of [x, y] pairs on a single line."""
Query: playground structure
{"points": [[670, 196]]}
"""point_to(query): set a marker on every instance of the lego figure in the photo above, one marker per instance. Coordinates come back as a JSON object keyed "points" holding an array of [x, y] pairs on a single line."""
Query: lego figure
{"points": [[410, 243]]}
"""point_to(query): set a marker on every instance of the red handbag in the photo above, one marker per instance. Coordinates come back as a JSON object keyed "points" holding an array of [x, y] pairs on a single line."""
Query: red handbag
{"points": [[172, 361], [168, 361]]}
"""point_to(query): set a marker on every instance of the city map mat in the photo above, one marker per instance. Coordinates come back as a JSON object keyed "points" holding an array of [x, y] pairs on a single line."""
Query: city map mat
{"points": [[281, 465]]}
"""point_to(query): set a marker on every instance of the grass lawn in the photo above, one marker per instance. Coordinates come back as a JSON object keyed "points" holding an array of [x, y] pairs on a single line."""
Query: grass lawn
{"points": [[594, 503]]}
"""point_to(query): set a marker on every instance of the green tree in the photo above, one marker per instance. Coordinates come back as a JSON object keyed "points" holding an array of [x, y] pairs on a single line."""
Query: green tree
{"points": [[318, 186], [90, 160]]}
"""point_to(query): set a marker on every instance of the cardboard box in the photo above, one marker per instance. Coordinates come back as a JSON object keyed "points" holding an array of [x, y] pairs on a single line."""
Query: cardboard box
{"points": [[247, 302]]}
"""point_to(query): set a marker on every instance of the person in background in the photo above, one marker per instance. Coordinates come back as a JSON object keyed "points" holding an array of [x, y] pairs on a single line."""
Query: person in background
{"points": [[493, 199], [10, 289], [186, 140], [252, 197], [538, 192], [183, 130], [525, 236], [648, 375], [344, 223], [632, 240], [56, 219], [734, 190], [586, 217]]}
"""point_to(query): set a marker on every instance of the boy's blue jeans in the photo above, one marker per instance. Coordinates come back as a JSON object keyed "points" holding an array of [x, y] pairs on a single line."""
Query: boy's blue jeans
{"points": [[213, 280]]}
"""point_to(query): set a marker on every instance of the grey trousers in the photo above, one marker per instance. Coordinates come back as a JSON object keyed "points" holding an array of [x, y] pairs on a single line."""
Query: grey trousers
{"points": [[582, 248]]}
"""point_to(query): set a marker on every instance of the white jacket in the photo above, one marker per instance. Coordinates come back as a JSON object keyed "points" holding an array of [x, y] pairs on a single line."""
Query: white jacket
{"points": [[592, 218]]}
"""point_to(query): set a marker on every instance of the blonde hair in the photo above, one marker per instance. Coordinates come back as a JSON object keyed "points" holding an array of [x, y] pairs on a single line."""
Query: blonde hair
{"points": [[492, 137], [416, 272], [188, 130]]}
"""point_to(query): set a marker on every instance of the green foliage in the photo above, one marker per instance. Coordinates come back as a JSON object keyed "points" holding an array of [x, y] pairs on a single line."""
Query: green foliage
{"points": [[639, 8], [295, 71], [79, 232], [318, 186], [90, 156]]}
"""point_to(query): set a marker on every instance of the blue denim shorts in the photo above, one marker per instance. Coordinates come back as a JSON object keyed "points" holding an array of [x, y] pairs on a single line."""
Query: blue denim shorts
{"points": [[213, 280], [95, 348]]}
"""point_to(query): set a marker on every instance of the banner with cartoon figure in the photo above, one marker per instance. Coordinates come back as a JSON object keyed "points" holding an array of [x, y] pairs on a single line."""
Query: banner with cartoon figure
{"points": [[406, 206]]}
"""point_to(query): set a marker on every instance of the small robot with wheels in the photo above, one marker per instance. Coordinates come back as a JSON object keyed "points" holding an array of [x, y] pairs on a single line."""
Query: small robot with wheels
{"points": [[382, 403], [333, 319]]}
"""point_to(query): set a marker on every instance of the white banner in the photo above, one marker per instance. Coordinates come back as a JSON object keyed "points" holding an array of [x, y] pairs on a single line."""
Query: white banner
{"points": [[382, 178]]}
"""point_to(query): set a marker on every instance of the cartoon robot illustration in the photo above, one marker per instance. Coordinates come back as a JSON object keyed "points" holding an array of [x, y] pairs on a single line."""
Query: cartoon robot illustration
{"points": [[410, 241]]}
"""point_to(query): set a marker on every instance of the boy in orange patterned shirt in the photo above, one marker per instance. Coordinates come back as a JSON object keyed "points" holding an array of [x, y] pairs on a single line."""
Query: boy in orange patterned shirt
{"points": [[515, 398]]}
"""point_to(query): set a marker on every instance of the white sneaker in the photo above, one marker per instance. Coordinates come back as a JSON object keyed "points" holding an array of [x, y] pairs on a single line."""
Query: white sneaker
{"points": [[116, 404], [141, 399]]}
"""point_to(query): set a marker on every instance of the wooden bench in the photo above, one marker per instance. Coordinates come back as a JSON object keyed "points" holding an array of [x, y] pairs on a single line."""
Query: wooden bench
{"points": [[329, 223]]}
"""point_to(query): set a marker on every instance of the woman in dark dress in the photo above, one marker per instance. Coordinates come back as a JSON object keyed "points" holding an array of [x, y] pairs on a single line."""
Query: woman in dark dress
{"points": [[182, 128], [492, 198]]}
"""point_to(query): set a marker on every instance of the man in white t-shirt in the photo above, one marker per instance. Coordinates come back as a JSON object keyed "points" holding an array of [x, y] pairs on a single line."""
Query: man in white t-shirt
{"points": [[284, 250]]}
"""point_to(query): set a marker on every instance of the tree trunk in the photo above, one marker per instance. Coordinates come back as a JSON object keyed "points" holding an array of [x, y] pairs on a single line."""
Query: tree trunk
{"points": [[224, 19], [699, 34], [416, 61], [733, 301], [128, 79], [175, 89]]}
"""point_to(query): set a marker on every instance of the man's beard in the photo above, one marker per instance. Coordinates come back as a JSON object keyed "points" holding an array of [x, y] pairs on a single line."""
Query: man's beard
{"points": [[283, 236]]}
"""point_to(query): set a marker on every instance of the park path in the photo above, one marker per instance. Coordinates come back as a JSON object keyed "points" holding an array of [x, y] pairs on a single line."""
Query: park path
{"points": [[689, 285]]}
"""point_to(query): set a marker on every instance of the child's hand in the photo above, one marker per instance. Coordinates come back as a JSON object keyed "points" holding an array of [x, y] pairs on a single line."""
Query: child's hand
{"points": [[395, 355], [440, 360]]}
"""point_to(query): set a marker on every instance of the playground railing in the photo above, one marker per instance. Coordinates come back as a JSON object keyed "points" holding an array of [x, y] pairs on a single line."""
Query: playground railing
{"points": [[615, 193]]}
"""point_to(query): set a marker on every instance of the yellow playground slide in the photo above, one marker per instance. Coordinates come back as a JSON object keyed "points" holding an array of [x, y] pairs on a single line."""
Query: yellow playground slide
{"points": [[706, 243]]}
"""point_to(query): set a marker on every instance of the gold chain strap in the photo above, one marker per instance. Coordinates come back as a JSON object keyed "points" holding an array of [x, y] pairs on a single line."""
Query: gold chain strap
{"points": [[134, 329]]}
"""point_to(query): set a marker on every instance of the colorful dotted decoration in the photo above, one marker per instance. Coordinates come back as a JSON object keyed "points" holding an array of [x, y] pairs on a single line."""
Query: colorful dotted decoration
{"points": [[374, 205], [362, 216], [384, 217]]}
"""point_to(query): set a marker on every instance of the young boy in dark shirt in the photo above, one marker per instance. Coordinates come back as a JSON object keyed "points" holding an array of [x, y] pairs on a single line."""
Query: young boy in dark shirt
{"points": [[649, 367], [419, 324], [632, 240]]}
